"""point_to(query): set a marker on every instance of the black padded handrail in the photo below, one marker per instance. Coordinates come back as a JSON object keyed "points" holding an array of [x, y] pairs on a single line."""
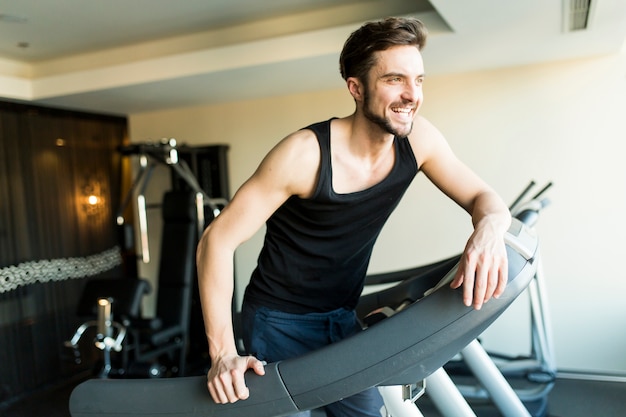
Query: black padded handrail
{"points": [[402, 275], [405, 348], [411, 286]]}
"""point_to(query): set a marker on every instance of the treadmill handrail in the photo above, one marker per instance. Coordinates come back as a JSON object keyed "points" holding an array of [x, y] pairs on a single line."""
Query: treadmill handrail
{"points": [[328, 374]]}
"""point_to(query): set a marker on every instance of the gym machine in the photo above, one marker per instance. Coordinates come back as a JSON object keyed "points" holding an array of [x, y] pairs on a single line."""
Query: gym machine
{"points": [[420, 348], [138, 343]]}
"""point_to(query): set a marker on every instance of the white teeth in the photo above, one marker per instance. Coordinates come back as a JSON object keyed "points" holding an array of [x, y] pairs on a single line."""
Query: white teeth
{"points": [[399, 110]]}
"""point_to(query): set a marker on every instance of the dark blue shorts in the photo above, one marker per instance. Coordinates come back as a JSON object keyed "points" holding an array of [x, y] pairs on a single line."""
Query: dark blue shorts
{"points": [[272, 336]]}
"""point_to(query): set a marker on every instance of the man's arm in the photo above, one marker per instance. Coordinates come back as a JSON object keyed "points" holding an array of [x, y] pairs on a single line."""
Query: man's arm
{"points": [[483, 270], [289, 169]]}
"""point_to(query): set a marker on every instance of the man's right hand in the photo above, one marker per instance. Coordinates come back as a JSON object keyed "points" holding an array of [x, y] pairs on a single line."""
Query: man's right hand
{"points": [[225, 379]]}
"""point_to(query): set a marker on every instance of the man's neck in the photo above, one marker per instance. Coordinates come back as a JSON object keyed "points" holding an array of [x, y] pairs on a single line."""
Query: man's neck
{"points": [[366, 138]]}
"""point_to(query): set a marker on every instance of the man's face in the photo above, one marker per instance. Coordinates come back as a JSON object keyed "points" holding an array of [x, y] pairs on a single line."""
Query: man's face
{"points": [[393, 91]]}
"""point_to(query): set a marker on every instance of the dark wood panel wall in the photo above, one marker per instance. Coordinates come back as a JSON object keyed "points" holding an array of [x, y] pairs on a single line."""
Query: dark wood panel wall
{"points": [[51, 235]]}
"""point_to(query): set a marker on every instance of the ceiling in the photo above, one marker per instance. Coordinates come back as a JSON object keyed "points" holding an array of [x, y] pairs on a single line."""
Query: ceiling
{"points": [[130, 56]]}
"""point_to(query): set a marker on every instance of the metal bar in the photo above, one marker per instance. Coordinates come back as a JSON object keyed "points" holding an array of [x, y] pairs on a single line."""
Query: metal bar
{"points": [[200, 213], [522, 195], [104, 317], [143, 228], [131, 191], [494, 382], [543, 190], [541, 315], [446, 396], [395, 405]]}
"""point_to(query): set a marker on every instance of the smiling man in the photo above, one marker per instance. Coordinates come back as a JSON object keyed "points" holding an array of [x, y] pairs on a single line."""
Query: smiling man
{"points": [[324, 193]]}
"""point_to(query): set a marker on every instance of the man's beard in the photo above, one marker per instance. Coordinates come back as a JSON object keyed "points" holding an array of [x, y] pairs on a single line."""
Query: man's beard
{"points": [[382, 122]]}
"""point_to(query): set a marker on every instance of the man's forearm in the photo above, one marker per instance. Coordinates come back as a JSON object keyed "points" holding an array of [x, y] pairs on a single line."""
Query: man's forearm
{"points": [[215, 283], [489, 209]]}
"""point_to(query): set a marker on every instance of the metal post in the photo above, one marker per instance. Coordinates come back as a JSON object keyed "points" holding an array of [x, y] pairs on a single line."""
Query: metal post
{"points": [[104, 334], [446, 396], [494, 382], [396, 405]]}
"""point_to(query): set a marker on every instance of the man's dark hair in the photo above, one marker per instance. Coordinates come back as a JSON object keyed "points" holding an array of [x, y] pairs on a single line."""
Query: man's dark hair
{"points": [[357, 56]]}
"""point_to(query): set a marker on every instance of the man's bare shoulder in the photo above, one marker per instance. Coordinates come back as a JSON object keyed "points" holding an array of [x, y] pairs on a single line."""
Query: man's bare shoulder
{"points": [[425, 139], [299, 149], [423, 129], [294, 162], [302, 140]]}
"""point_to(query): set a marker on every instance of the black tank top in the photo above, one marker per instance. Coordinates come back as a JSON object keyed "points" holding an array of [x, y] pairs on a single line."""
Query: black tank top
{"points": [[317, 250]]}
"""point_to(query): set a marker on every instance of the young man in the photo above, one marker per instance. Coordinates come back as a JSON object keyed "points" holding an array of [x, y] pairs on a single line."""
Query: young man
{"points": [[324, 193]]}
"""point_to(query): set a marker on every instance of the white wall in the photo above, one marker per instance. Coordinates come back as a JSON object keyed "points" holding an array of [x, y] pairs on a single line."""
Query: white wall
{"points": [[562, 122]]}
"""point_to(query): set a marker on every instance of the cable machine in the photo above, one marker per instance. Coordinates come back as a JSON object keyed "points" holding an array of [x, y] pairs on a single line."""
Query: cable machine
{"points": [[168, 153], [130, 342]]}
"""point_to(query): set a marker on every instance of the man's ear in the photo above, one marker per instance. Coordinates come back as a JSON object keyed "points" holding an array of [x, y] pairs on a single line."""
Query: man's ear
{"points": [[356, 88]]}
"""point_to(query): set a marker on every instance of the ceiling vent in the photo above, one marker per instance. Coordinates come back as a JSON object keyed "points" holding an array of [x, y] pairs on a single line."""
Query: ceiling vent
{"points": [[576, 14]]}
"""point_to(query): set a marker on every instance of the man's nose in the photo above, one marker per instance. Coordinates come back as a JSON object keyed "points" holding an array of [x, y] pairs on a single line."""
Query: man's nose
{"points": [[412, 92]]}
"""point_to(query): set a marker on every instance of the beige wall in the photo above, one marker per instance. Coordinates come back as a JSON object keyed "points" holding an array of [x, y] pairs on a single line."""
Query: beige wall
{"points": [[562, 122]]}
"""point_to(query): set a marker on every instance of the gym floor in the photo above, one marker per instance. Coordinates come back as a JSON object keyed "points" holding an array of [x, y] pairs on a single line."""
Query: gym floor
{"points": [[569, 398]]}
